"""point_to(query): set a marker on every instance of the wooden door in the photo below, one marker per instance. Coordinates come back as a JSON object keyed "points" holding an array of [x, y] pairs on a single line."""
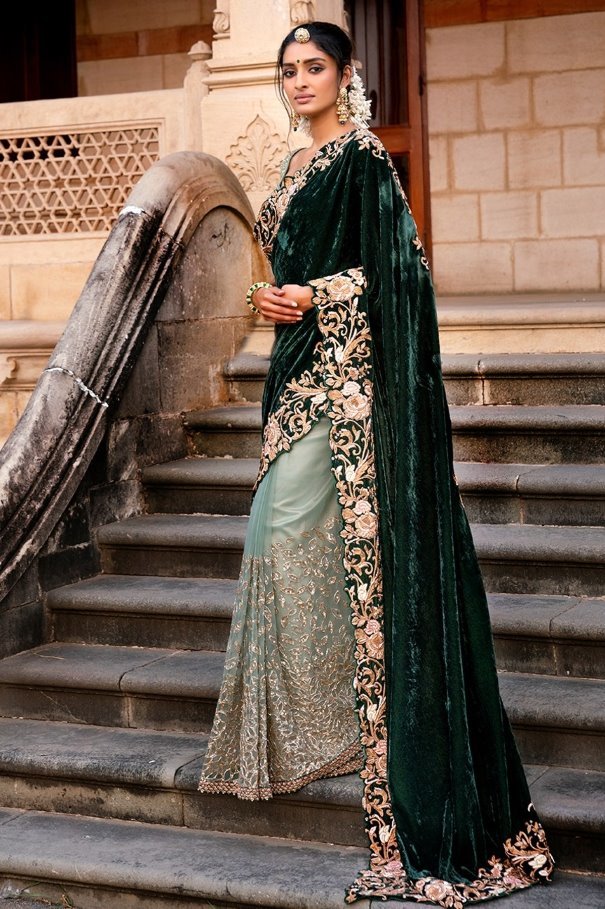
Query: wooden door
{"points": [[389, 43]]}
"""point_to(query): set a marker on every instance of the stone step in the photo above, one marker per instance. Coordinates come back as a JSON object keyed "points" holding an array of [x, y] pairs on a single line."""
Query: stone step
{"points": [[202, 485], [561, 494], [492, 493], [558, 720], [549, 635], [152, 777], [134, 687], [98, 862], [144, 611], [504, 433], [95, 862], [577, 378], [528, 558], [233, 431], [531, 435], [515, 558], [174, 545]]}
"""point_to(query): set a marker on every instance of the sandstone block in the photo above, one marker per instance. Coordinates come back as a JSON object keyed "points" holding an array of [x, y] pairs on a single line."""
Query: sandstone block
{"points": [[109, 77], [452, 107], [455, 217], [584, 156], [563, 99], [556, 43], [534, 158], [117, 16], [174, 68], [578, 212], [556, 265], [479, 162], [439, 163], [472, 267], [504, 102], [509, 215], [464, 51], [47, 291]]}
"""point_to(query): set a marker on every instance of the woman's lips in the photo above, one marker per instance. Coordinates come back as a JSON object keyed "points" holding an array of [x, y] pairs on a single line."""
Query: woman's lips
{"points": [[303, 98]]}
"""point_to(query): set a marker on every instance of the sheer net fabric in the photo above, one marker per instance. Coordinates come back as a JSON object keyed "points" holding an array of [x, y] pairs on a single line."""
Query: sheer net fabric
{"points": [[286, 711]]}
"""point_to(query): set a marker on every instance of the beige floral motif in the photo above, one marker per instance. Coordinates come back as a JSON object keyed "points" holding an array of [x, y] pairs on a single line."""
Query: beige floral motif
{"points": [[367, 525]]}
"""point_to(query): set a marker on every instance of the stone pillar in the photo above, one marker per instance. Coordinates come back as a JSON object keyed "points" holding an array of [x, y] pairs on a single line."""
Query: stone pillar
{"points": [[195, 91]]}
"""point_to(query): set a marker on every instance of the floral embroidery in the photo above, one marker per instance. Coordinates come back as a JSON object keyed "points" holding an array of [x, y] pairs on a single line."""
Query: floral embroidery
{"points": [[526, 861], [340, 385]]}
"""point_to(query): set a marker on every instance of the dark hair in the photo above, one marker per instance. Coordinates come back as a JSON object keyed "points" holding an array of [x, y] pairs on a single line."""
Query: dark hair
{"points": [[330, 38]]}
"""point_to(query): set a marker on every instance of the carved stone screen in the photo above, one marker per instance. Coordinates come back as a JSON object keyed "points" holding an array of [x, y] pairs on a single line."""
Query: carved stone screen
{"points": [[75, 182]]}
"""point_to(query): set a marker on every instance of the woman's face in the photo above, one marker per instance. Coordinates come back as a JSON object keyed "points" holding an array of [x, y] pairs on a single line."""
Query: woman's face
{"points": [[310, 79]]}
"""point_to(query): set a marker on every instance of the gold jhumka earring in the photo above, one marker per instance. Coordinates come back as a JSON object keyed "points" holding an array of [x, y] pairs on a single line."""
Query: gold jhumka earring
{"points": [[343, 106]]}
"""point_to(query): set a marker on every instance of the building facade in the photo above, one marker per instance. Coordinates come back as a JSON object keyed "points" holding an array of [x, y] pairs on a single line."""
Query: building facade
{"points": [[498, 132]]}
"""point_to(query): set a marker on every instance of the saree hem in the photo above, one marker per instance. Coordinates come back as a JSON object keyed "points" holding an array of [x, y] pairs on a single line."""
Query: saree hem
{"points": [[348, 761], [526, 861]]}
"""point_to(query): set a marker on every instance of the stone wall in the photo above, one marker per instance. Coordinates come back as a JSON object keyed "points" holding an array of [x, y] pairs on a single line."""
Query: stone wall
{"points": [[517, 144], [139, 45]]}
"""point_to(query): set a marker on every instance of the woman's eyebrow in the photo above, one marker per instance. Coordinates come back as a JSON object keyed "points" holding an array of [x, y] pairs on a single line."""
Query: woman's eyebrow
{"points": [[310, 60]]}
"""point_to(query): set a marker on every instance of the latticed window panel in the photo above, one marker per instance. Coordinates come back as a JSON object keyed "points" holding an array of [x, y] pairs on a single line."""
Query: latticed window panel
{"points": [[71, 183]]}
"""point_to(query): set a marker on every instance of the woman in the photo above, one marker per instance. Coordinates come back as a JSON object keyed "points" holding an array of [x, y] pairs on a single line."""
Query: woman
{"points": [[361, 617]]}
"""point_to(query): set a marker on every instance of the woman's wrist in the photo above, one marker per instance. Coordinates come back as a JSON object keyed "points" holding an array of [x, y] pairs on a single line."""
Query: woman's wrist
{"points": [[250, 295]]}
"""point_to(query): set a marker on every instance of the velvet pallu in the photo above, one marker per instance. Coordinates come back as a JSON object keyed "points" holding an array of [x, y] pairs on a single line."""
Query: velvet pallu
{"points": [[448, 811]]}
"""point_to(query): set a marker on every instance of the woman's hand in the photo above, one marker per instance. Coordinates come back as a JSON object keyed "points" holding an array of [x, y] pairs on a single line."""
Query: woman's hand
{"points": [[283, 304]]}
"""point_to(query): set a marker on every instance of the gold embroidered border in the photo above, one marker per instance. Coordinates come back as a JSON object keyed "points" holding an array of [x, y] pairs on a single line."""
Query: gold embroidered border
{"points": [[349, 761]]}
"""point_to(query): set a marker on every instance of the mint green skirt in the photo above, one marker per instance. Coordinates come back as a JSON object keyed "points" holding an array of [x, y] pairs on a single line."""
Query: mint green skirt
{"points": [[286, 710]]}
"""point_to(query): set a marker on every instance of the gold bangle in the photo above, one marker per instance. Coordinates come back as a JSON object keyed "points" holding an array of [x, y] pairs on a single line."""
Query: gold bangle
{"points": [[250, 294]]}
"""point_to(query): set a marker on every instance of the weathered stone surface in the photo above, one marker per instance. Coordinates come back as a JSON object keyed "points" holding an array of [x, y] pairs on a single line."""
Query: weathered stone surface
{"points": [[181, 545], [66, 418], [157, 860], [21, 627], [101, 685], [546, 560], [202, 485], [557, 720], [145, 611], [156, 863]]}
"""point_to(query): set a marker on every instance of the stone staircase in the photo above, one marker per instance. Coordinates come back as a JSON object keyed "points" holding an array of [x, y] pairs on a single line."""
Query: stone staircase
{"points": [[103, 730]]}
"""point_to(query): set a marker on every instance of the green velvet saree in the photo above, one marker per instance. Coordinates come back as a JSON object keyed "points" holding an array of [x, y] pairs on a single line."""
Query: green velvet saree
{"points": [[448, 811]]}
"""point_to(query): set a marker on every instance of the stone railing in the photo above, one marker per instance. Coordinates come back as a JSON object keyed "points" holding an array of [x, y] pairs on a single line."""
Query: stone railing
{"points": [[160, 313], [67, 167]]}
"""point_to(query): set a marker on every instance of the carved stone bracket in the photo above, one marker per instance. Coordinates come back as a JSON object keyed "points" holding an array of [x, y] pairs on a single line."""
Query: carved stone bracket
{"points": [[302, 11], [8, 368], [221, 22]]}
